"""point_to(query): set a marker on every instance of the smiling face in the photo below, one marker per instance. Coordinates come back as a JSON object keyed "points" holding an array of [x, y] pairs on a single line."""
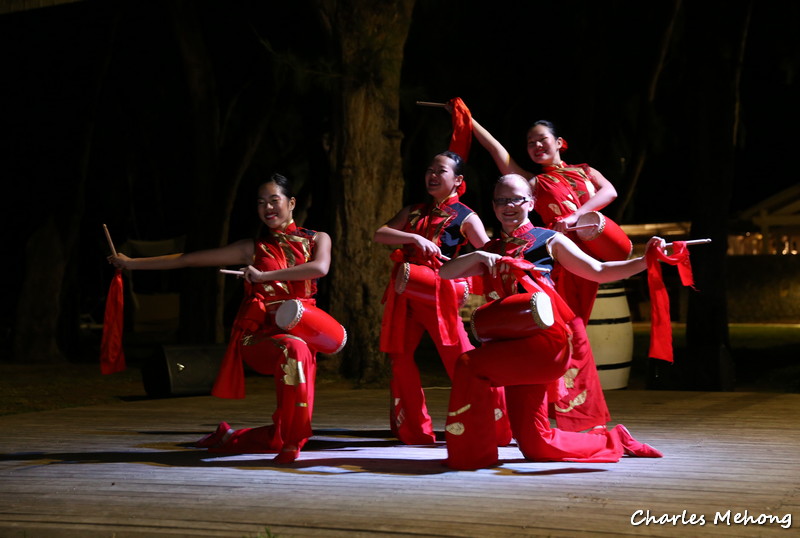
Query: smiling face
{"points": [[512, 201], [440, 178], [274, 207], [543, 147]]}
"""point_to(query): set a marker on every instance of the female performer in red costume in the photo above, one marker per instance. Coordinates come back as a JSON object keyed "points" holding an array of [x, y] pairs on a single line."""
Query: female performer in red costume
{"points": [[563, 193], [526, 366], [428, 232], [283, 263]]}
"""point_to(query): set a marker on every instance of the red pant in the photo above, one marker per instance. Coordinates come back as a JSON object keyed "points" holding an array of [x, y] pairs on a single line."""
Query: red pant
{"points": [[524, 367], [294, 366], [584, 406], [408, 413]]}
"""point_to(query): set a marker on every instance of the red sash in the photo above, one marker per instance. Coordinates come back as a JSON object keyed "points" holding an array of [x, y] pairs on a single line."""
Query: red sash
{"points": [[560, 190]]}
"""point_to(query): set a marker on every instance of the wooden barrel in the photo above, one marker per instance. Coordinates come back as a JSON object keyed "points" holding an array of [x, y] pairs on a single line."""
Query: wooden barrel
{"points": [[610, 333]]}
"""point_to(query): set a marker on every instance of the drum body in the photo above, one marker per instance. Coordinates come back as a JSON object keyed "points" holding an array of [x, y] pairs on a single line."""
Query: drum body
{"points": [[605, 241], [513, 317], [418, 282], [318, 328]]}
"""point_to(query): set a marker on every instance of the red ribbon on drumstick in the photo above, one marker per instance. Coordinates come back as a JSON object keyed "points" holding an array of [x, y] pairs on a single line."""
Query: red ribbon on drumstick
{"points": [[461, 139], [112, 356], [660, 324]]}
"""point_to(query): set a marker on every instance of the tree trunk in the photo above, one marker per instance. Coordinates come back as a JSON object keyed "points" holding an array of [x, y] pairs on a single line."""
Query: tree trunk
{"points": [[367, 169], [198, 321], [46, 322], [39, 308], [641, 141], [709, 365], [224, 146]]}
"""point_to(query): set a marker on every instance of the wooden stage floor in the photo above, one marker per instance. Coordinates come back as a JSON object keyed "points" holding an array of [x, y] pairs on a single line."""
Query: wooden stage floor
{"points": [[124, 470]]}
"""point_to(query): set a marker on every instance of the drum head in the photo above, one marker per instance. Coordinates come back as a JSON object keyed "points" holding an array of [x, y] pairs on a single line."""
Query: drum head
{"points": [[288, 314], [401, 279], [542, 310], [592, 217]]}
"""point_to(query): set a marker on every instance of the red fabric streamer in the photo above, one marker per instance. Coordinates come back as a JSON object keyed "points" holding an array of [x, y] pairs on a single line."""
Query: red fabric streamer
{"points": [[393, 327], [230, 378], [660, 326], [112, 356], [461, 139]]}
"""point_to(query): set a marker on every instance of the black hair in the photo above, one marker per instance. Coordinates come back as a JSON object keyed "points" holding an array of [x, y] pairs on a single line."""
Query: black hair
{"points": [[548, 124], [456, 158], [283, 183]]}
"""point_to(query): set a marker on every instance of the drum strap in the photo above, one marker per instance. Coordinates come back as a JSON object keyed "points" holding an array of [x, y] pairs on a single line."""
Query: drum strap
{"points": [[526, 274]]}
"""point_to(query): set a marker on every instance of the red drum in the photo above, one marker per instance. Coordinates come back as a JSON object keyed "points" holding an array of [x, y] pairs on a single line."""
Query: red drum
{"points": [[318, 328], [418, 282], [605, 241], [516, 316]]}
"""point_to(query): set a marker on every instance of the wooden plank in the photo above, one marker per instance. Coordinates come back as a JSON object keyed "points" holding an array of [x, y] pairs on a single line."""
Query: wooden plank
{"points": [[125, 470]]}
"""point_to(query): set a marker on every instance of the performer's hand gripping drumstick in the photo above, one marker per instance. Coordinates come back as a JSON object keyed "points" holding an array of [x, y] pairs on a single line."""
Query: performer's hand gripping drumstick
{"points": [[690, 242]]}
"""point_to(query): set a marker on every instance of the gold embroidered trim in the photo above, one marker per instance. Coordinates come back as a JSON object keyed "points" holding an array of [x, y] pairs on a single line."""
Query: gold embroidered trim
{"points": [[456, 428], [458, 412], [569, 377], [580, 399]]}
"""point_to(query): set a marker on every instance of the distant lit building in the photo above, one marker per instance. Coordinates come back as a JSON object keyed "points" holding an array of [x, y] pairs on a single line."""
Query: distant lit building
{"points": [[771, 227], [768, 234]]}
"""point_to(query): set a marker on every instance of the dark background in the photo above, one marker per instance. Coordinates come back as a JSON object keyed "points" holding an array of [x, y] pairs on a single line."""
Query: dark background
{"points": [[581, 64]]}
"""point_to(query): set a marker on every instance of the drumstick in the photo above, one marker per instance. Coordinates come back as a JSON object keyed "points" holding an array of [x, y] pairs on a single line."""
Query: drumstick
{"points": [[428, 103], [582, 226], [693, 242], [110, 242], [231, 272]]}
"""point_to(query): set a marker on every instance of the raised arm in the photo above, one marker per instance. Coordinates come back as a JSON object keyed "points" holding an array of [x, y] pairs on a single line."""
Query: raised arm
{"points": [[574, 260], [501, 157], [238, 253]]}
